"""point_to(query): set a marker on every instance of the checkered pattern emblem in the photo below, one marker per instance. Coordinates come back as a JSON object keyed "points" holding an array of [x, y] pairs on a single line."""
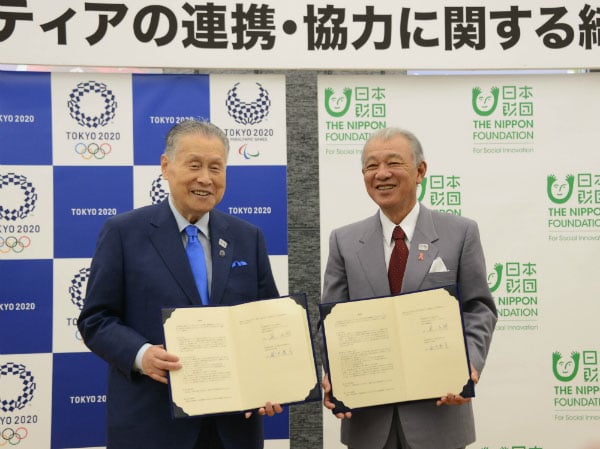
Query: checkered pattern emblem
{"points": [[77, 287], [28, 387], [248, 112], [157, 191], [30, 197], [92, 91]]}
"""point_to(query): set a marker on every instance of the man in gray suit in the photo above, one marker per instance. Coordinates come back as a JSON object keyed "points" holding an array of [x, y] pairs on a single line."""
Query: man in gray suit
{"points": [[443, 250]]}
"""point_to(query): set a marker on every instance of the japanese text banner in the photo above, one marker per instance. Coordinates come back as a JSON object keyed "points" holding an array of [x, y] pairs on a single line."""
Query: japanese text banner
{"points": [[346, 34]]}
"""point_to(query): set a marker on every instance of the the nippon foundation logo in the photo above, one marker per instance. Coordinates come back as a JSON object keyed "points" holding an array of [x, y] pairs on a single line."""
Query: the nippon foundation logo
{"points": [[17, 386], [248, 104], [93, 105], [514, 285], [503, 121], [577, 390], [337, 102], [560, 190], [353, 113], [442, 192], [77, 287], [573, 206]]}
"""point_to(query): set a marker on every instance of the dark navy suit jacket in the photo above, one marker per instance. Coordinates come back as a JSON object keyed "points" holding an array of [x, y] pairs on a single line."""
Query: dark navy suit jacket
{"points": [[140, 266]]}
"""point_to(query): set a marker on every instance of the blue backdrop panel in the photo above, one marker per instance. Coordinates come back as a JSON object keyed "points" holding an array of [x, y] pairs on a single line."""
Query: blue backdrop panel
{"points": [[84, 197], [258, 194], [158, 105], [25, 306], [277, 426], [25, 119], [66, 199], [78, 401]]}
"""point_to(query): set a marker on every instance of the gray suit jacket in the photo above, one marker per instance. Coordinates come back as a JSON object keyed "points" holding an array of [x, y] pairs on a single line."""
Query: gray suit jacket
{"points": [[356, 269]]}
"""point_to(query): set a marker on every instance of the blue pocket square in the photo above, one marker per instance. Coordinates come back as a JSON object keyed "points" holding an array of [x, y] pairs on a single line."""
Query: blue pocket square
{"points": [[239, 263]]}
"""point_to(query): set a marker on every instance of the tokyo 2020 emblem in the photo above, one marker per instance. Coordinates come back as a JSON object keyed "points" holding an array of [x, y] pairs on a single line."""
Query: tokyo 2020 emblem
{"points": [[16, 398], [29, 197], [92, 104], [158, 193], [248, 112], [77, 287]]}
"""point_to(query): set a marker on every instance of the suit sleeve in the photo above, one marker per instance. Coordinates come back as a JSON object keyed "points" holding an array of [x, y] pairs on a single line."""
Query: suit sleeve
{"points": [[335, 286], [101, 320], [335, 280], [266, 283], [479, 309]]}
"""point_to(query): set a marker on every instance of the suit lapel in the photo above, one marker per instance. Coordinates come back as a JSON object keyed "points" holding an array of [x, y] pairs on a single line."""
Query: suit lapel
{"points": [[165, 237], [422, 251], [222, 244], [371, 257]]}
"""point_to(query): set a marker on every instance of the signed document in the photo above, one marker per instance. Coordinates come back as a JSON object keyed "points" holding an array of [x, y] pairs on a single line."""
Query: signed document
{"points": [[236, 358], [395, 349]]}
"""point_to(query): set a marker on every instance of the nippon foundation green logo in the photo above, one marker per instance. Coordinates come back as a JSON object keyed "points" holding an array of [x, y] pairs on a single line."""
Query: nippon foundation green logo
{"points": [[573, 211], [577, 387], [442, 193], [514, 285], [337, 104], [351, 115], [503, 119]]}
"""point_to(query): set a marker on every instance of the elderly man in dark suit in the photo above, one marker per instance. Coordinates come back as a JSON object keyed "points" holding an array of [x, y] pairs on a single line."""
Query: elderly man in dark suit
{"points": [[443, 249], [141, 266]]}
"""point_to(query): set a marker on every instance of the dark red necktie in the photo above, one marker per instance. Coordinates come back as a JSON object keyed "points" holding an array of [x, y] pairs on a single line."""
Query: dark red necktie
{"points": [[397, 261]]}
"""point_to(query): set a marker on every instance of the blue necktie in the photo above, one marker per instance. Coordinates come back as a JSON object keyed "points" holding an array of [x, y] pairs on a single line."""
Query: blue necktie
{"points": [[195, 254]]}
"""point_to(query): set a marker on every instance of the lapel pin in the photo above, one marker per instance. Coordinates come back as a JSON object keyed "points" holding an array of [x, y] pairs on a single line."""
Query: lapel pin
{"points": [[222, 253], [222, 244], [421, 256], [423, 246]]}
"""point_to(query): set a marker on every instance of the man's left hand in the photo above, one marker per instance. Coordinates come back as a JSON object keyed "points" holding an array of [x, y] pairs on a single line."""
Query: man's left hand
{"points": [[269, 409], [457, 399]]}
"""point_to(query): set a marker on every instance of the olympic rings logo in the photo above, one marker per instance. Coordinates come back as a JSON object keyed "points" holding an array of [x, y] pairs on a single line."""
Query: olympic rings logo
{"points": [[13, 437], [92, 150], [14, 244]]}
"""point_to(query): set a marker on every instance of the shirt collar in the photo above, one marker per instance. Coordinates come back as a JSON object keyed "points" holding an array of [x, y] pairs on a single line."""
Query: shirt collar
{"points": [[408, 224], [182, 223]]}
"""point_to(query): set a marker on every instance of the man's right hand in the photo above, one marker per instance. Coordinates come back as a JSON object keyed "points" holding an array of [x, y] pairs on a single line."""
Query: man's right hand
{"points": [[327, 398], [156, 362]]}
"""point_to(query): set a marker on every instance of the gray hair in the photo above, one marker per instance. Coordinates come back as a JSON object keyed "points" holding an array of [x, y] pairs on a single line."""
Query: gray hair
{"points": [[187, 127], [390, 133]]}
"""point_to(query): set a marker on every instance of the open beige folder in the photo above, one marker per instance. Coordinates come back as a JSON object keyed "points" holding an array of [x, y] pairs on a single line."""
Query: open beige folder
{"points": [[396, 349], [237, 358]]}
